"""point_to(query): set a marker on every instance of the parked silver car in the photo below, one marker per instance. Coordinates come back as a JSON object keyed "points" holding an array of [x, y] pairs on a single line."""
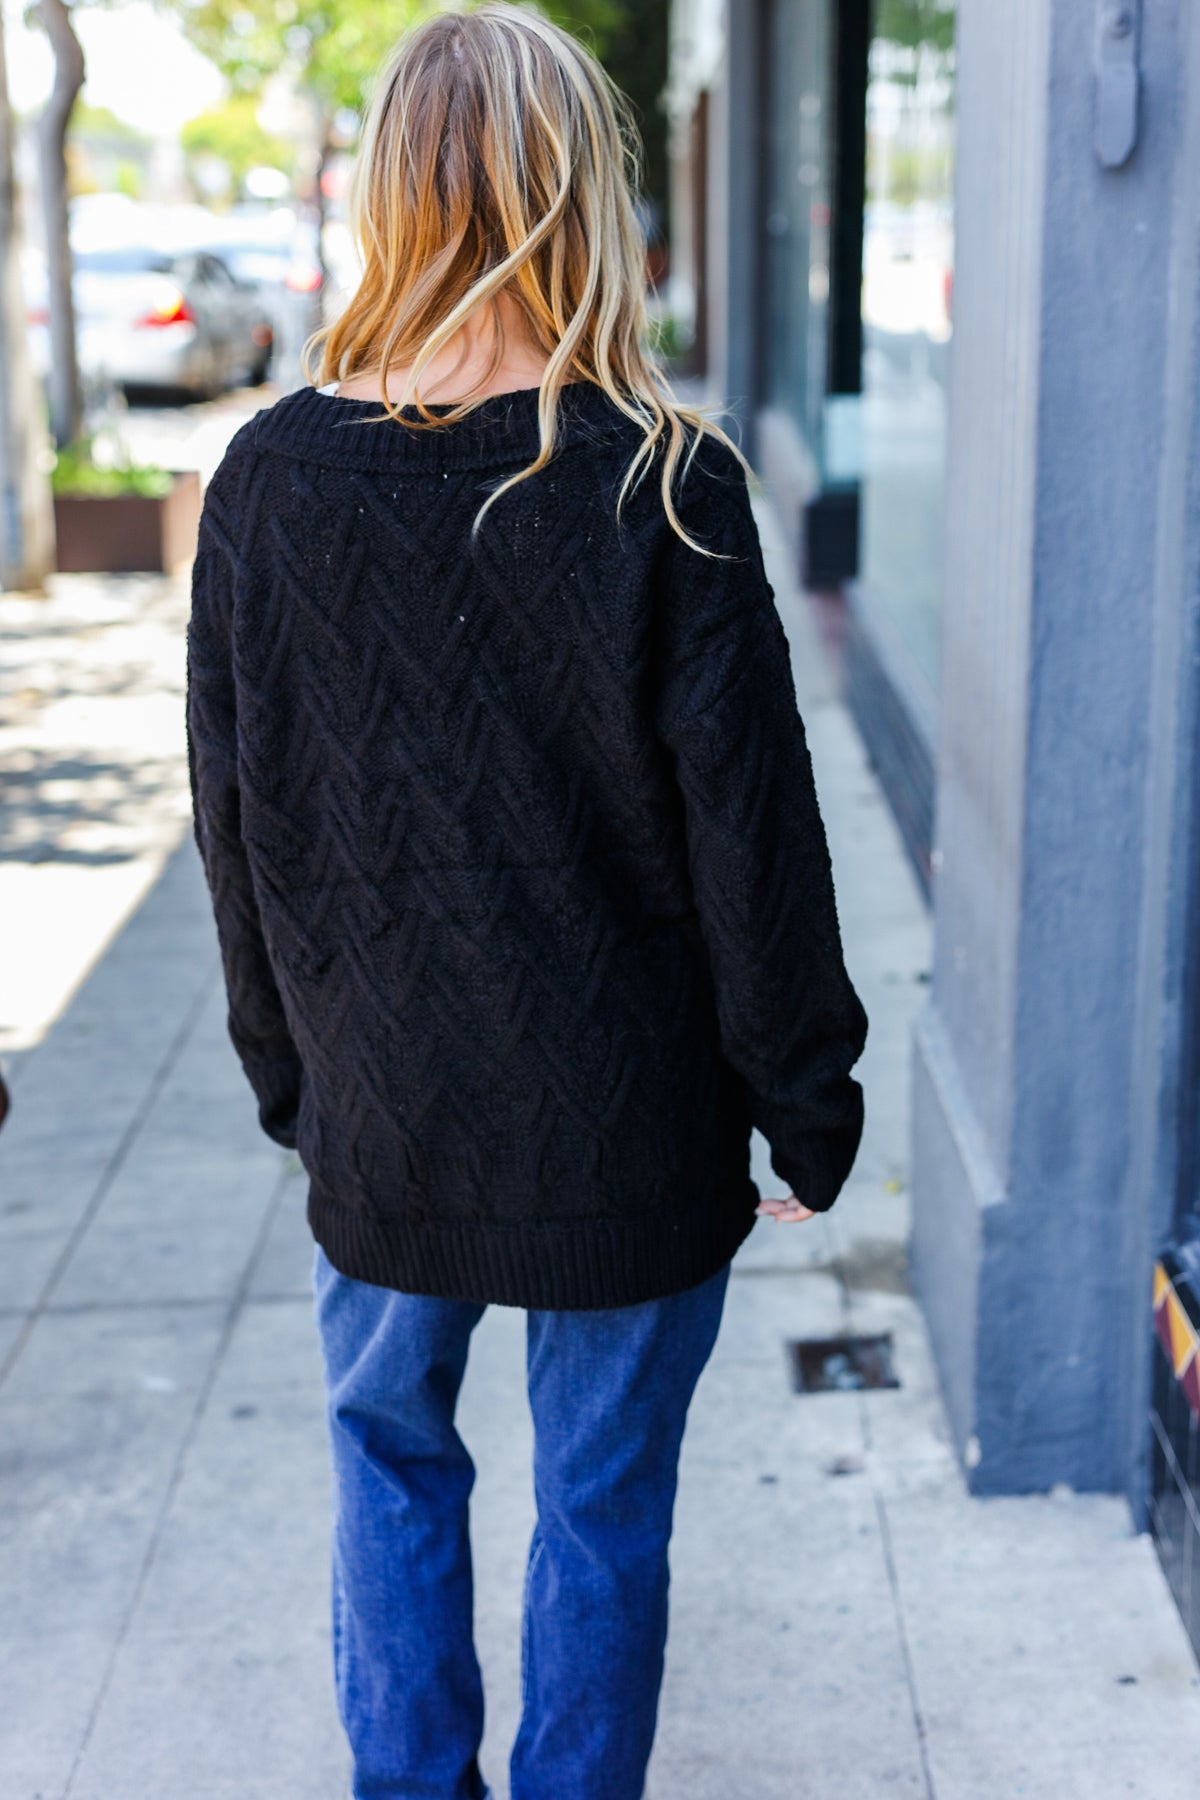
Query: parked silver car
{"points": [[179, 319], [166, 318]]}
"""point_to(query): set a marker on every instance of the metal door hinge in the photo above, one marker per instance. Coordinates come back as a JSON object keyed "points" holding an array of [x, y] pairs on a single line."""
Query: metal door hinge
{"points": [[1118, 81]]}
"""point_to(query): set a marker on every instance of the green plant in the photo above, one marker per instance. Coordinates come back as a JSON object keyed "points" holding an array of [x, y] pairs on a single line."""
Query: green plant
{"points": [[75, 472]]}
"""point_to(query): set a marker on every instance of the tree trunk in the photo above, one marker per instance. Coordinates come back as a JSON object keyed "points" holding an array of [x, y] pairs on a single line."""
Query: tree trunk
{"points": [[26, 513], [66, 411], [324, 157]]}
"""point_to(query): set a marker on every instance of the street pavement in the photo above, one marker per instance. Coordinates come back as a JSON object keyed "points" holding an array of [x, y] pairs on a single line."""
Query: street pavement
{"points": [[846, 1621]]}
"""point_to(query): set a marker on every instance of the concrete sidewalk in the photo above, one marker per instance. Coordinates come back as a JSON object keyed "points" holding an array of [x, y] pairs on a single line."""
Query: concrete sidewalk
{"points": [[846, 1622]]}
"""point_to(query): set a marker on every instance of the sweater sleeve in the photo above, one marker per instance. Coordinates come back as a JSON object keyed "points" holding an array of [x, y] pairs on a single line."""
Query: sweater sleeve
{"points": [[791, 1022], [256, 1021]]}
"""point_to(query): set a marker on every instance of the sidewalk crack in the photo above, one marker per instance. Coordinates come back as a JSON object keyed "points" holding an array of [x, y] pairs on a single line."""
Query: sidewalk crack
{"points": [[889, 1559]]}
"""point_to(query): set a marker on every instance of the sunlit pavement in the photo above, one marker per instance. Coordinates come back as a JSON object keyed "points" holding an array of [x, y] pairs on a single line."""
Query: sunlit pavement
{"points": [[846, 1622], [94, 792]]}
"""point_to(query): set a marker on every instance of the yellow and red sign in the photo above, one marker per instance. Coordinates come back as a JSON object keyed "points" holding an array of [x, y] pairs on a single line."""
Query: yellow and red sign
{"points": [[1178, 1336]]}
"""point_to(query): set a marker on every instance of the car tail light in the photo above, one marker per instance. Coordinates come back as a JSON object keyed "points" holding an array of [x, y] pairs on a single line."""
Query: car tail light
{"points": [[304, 280], [172, 309]]}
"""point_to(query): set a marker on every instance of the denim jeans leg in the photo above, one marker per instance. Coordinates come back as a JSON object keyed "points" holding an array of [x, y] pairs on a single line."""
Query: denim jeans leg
{"points": [[609, 1392], [408, 1683]]}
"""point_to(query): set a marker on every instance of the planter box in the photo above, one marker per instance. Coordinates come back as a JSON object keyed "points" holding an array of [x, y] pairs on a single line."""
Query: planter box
{"points": [[128, 533]]}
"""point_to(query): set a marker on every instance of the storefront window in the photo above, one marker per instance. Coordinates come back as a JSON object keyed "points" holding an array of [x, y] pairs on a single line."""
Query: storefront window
{"points": [[797, 213], [908, 262]]}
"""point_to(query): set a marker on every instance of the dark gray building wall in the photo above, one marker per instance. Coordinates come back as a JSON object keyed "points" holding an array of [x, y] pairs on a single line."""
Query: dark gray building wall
{"points": [[1037, 1172], [734, 175], [734, 272]]}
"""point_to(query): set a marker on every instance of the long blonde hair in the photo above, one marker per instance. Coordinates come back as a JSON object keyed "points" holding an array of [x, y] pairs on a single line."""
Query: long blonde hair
{"points": [[498, 155]]}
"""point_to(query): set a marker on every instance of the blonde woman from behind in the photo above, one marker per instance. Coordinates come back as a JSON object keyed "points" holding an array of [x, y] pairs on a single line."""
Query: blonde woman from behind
{"points": [[523, 896]]}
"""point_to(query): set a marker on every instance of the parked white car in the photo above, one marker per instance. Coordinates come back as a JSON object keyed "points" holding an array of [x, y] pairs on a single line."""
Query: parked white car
{"points": [[152, 313]]}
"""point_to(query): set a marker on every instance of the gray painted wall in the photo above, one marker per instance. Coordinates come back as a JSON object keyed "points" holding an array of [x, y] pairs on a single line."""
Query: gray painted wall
{"points": [[1162, 1176], [1037, 1135]]}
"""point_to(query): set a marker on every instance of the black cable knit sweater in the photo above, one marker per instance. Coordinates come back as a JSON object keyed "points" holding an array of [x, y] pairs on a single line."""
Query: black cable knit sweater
{"points": [[522, 892]]}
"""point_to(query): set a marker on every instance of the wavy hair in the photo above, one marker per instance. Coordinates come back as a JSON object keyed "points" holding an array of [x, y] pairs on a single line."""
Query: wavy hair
{"points": [[499, 156]]}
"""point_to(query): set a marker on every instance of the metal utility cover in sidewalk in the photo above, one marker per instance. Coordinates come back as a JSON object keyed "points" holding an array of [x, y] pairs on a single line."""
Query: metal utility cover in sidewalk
{"points": [[837, 1363]]}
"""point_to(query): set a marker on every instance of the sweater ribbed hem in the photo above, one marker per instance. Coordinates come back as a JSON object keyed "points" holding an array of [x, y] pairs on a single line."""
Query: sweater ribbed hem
{"points": [[548, 1265]]}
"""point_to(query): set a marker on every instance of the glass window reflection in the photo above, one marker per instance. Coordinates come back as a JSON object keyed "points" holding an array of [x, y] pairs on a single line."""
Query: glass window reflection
{"points": [[908, 262]]}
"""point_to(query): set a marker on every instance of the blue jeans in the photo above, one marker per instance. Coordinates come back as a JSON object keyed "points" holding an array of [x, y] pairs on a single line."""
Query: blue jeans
{"points": [[609, 1392]]}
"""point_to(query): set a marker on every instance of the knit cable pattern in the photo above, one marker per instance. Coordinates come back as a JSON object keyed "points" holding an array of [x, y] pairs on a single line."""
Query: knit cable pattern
{"points": [[522, 892]]}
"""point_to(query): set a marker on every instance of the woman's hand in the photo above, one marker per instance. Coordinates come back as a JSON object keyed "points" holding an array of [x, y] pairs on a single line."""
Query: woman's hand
{"points": [[787, 1211]]}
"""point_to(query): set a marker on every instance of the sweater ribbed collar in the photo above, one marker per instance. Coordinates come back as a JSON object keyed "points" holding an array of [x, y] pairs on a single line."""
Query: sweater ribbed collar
{"points": [[503, 428]]}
